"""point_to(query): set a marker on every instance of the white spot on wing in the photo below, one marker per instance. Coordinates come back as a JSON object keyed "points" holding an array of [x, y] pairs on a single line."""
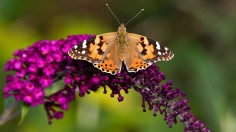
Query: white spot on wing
{"points": [[166, 48], [84, 44], [159, 53], [158, 46], [75, 46], [83, 52], [150, 63]]}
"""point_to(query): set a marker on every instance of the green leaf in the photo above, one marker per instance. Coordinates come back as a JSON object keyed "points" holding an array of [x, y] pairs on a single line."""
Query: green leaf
{"points": [[24, 112]]}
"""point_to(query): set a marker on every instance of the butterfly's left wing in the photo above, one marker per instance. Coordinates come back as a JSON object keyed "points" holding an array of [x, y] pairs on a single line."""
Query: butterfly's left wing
{"points": [[144, 52], [93, 49], [100, 50]]}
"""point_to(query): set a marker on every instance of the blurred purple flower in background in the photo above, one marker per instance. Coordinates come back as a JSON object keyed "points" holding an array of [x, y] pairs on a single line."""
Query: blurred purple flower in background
{"points": [[46, 62]]}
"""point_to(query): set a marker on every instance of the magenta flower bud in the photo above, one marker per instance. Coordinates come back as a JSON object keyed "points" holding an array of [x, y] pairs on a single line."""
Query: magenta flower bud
{"points": [[68, 80]]}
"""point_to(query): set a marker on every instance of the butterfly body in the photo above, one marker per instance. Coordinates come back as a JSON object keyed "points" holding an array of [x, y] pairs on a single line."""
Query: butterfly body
{"points": [[121, 42], [108, 51]]}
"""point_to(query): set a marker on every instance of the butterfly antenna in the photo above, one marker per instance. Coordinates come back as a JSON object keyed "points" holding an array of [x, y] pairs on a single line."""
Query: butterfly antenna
{"points": [[134, 16], [113, 14]]}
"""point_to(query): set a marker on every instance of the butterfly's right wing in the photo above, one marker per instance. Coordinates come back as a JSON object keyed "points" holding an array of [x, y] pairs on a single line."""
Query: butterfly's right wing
{"points": [[150, 50], [144, 51]]}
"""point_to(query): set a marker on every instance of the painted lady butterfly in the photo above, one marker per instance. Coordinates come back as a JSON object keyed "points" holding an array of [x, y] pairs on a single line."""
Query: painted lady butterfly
{"points": [[108, 51]]}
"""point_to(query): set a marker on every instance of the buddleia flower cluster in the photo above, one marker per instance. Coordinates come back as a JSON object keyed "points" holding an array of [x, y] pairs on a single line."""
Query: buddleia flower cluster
{"points": [[35, 69]]}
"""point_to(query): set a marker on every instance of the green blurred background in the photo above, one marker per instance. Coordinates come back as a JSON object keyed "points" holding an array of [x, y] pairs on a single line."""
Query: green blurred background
{"points": [[201, 33]]}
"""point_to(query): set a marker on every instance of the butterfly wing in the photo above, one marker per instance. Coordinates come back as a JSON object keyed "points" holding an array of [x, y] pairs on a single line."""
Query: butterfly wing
{"points": [[133, 60], [99, 50], [93, 49], [144, 52], [111, 63]]}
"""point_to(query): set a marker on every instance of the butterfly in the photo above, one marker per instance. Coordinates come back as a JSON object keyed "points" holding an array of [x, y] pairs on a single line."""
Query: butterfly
{"points": [[108, 51]]}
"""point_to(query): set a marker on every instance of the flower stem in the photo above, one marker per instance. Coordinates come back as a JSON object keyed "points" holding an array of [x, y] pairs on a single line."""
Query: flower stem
{"points": [[10, 113]]}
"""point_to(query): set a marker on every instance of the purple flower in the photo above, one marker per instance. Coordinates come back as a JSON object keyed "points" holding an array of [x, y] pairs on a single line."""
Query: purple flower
{"points": [[21, 73], [49, 58], [45, 49], [68, 80], [62, 100], [33, 68], [41, 63], [28, 99], [45, 81], [18, 65], [49, 70], [29, 86], [39, 94], [47, 62], [58, 115]]}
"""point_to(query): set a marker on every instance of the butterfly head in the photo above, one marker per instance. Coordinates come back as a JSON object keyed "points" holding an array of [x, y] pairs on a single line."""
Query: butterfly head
{"points": [[122, 28]]}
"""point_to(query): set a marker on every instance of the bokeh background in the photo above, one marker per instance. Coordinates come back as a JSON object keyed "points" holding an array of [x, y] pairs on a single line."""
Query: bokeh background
{"points": [[201, 33]]}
